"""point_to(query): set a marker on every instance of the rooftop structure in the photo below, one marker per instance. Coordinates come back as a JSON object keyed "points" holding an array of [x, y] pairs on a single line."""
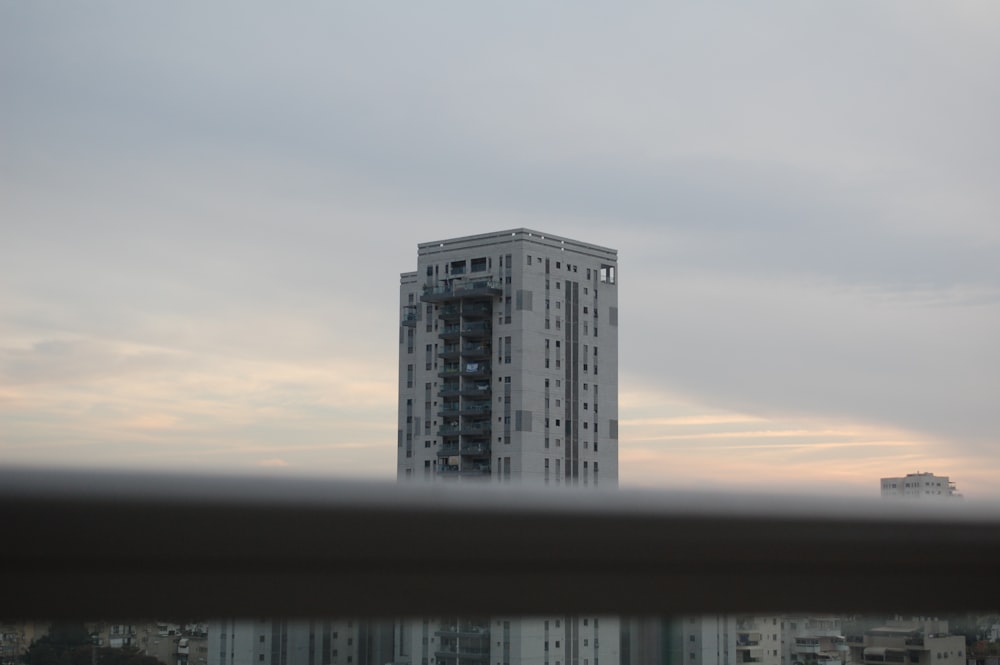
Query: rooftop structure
{"points": [[919, 486]]}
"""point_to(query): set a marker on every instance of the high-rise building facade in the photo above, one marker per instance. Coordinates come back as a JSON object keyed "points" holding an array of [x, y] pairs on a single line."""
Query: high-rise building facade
{"points": [[508, 361], [508, 372]]}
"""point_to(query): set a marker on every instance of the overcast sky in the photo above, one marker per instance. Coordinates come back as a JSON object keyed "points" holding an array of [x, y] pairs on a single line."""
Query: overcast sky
{"points": [[205, 208]]}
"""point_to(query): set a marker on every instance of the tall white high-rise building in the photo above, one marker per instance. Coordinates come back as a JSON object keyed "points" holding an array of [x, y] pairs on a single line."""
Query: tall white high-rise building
{"points": [[508, 372], [508, 361]]}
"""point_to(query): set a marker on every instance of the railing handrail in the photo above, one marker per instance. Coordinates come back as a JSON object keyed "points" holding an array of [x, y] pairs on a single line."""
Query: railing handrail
{"points": [[275, 546]]}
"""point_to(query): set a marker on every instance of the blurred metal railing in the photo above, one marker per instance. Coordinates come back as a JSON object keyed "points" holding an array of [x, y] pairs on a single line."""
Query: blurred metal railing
{"points": [[139, 545]]}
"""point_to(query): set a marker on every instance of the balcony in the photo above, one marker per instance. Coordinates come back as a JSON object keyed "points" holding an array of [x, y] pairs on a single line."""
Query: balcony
{"points": [[447, 450], [447, 657], [481, 428], [476, 350], [449, 352], [464, 630], [878, 655], [450, 312], [449, 410], [476, 449], [477, 408], [457, 290], [476, 329], [477, 389], [475, 370], [477, 310], [450, 331], [409, 316]]}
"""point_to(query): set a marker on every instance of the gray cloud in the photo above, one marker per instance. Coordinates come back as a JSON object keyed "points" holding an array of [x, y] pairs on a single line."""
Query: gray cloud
{"points": [[804, 197]]}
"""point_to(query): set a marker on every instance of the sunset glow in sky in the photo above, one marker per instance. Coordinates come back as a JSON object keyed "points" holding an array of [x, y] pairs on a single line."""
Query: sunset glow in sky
{"points": [[204, 211]]}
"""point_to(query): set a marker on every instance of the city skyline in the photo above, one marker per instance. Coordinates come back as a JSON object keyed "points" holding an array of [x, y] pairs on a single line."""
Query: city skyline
{"points": [[201, 236]]}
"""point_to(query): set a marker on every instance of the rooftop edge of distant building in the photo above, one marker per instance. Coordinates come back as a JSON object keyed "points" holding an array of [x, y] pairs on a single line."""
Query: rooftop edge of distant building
{"points": [[517, 234]]}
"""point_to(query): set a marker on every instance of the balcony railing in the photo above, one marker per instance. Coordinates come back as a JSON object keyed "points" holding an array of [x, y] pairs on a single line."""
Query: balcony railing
{"points": [[476, 328], [476, 449], [452, 656], [462, 289], [474, 369], [477, 310], [464, 631], [447, 450], [449, 410], [475, 350], [275, 546], [449, 370], [476, 428]]}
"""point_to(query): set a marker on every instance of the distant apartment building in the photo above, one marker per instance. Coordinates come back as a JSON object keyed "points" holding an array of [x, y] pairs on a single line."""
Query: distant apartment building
{"points": [[913, 642], [737, 639], [508, 361], [919, 486], [314, 641], [812, 640], [16, 637], [723, 640]]}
